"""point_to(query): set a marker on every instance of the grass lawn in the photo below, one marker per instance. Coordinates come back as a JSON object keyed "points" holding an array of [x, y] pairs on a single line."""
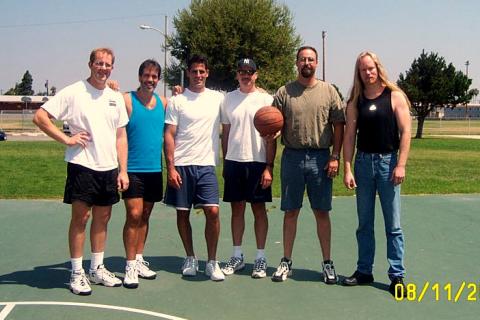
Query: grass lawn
{"points": [[36, 170]]}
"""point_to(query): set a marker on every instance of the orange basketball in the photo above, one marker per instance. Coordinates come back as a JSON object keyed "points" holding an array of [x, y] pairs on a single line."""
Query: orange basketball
{"points": [[268, 120]]}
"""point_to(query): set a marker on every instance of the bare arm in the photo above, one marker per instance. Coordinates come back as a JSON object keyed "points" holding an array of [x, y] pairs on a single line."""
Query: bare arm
{"points": [[42, 120], [402, 114], [334, 164], [173, 178], [271, 151], [224, 141], [122, 154], [349, 145], [128, 103], [225, 134]]}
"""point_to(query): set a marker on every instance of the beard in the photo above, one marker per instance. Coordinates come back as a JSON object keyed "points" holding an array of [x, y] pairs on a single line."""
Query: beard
{"points": [[307, 72]]}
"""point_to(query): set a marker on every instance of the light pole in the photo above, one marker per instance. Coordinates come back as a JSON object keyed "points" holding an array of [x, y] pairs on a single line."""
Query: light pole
{"points": [[164, 33], [324, 35], [467, 63]]}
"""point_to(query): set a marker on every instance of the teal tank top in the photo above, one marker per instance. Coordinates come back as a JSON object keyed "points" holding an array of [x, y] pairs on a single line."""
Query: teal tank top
{"points": [[145, 136]]}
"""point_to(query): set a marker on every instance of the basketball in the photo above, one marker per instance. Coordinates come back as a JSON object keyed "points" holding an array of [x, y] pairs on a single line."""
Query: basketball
{"points": [[268, 120]]}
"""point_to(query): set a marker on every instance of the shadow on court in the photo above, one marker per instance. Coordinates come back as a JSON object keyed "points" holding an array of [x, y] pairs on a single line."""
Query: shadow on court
{"points": [[57, 275], [41, 277]]}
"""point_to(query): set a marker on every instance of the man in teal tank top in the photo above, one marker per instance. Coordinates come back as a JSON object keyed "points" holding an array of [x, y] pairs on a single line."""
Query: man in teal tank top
{"points": [[146, 111]]}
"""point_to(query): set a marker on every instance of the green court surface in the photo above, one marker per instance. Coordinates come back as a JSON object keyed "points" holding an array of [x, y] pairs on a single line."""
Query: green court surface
{"points": [[442, 255]]}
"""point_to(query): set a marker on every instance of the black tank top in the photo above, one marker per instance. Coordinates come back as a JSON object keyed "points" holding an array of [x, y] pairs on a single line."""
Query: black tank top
{"points": [[377, 125]]}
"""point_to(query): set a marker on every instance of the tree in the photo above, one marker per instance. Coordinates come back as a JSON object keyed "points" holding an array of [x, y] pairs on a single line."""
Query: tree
{"points": [[225, 31], [430, 83], [24, 88], [12, 91]]}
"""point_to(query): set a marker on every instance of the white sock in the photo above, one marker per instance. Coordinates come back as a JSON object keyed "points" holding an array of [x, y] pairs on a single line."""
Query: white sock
{"points": [[260, 253], [139, 257], [76, 264], [131, 263], [237, 251], [97, 259]]}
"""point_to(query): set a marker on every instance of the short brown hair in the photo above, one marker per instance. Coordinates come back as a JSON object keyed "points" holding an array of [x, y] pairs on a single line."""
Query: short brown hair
{"points": [[105, 50], [307, 48]]}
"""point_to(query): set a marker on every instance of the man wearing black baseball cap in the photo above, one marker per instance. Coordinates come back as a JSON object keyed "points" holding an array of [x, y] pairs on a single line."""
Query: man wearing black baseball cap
{"points": [[248, 165]]}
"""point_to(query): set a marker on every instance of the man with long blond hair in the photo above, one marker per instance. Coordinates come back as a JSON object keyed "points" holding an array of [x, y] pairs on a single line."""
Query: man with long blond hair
{"points": [[378, 116]]}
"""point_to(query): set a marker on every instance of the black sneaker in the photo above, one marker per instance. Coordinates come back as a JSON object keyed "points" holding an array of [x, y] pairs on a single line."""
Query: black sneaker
{"points": [[284, 270], [358, 278], [397, 288], [329, 274]]}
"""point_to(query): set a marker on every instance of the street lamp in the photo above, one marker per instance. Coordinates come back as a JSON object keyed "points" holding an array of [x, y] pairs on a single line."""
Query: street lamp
{"points": [[467, 64], [324, 35], [164, 33]]}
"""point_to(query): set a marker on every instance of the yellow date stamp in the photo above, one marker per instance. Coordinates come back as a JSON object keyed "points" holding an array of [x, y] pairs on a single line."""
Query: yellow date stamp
{"points": [[465, 291]]}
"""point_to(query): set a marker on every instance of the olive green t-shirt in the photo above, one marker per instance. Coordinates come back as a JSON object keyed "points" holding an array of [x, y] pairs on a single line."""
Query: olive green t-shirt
{"points": [[309, 114]]}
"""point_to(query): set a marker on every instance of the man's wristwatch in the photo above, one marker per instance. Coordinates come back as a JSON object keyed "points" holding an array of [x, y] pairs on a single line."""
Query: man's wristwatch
{"points": [[334, 157], [270, 164]]}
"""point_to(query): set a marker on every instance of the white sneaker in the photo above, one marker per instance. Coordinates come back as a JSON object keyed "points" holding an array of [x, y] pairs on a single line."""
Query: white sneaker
{"points": [[213, 271], [190, 267], [233, 265], [104, 277], [329, 274], [131, 278], [259, 268], [79, 283], [284, 270], [144, 271]]}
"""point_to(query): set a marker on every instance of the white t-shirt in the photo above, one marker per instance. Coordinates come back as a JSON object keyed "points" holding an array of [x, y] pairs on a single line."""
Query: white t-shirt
{"points": [[98, 112], [244, 142], [197, 117]]}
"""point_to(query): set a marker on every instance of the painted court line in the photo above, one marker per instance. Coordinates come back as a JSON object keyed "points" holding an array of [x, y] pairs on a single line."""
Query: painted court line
{"points": [[10, 305], [4, 313]]}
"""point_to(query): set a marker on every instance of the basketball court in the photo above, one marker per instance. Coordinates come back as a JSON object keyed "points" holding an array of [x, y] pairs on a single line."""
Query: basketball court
{"points": [[441, 254]]}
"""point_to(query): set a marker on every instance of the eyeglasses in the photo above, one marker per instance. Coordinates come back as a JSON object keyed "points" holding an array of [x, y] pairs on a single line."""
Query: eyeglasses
{"points": [[244, 72], [101, 64], [306, 59]]}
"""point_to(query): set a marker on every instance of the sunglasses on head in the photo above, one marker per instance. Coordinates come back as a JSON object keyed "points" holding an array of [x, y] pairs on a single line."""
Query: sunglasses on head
{"points": [[244, 72]]}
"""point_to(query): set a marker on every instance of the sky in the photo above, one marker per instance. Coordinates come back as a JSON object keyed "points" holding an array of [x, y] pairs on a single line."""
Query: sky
{"points": [[53, 38]]}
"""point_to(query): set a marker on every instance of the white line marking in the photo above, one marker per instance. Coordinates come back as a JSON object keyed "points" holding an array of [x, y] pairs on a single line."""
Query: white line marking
{"points": [[8, 308], [10, 305]]}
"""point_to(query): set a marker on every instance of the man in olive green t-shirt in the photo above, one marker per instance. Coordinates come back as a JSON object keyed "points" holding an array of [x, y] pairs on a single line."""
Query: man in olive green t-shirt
{"points": [[313, 121]]}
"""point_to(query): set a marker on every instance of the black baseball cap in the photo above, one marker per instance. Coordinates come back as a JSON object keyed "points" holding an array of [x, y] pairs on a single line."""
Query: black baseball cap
{"points": [[246, 62]]}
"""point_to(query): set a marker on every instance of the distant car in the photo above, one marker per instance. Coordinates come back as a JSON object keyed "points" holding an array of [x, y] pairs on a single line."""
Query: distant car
{"points": [[3, 135], [66, 129]]}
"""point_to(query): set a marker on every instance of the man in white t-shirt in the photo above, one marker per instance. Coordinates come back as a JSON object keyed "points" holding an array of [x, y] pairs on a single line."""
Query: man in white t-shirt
{"points": [[248, 165], [96, 159], [191, 144]]}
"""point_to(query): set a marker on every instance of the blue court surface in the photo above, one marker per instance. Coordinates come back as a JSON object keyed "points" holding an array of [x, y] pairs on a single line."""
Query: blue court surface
{"points": [[442, 261]]}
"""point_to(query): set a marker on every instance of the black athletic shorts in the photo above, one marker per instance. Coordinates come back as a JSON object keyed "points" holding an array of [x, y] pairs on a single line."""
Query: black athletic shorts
{"points": [[242, 182], [97, 188], [146, 185]]}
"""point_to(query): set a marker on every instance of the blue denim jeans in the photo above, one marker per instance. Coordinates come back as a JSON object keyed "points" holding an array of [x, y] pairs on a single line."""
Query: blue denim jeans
{"points": [[373, 172], [305, 167]]}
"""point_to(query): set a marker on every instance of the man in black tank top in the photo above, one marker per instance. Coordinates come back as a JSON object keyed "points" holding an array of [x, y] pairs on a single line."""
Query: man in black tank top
{"points": [[377, 125], [378, 115]]}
